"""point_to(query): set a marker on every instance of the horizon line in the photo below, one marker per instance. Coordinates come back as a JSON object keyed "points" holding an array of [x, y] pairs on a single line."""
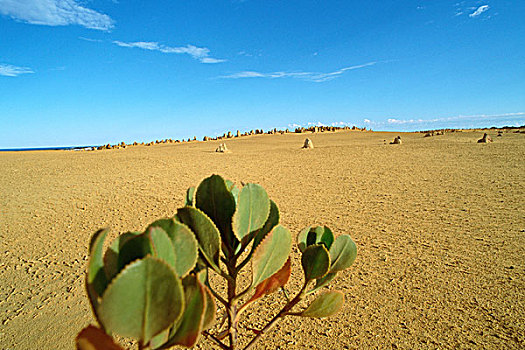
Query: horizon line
{"points": [[189, 139]]}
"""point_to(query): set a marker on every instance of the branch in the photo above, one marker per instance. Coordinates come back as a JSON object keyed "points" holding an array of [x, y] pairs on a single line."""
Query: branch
{"points": [[217, 296], [216, 340], [264, 330], [245, 261], [243, 293], [285, 293], [284, 311], [221, 323]]}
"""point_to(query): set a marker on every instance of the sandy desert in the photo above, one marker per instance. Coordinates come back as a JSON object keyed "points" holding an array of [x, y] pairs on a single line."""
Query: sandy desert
{"points": [[439, 223]]}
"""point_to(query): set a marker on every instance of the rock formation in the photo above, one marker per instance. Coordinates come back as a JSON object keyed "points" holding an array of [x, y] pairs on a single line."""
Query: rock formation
{"points": [[222, 148], [485, 139], [308, 143], [397, 141]]}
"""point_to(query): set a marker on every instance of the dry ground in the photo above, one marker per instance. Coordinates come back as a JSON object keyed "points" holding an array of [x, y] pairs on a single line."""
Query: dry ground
{"points": [[439, 223]]}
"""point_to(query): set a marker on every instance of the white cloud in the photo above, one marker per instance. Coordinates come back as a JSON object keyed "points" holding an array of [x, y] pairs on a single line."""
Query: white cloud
{"points": [[409, 121], [140, 44], [245, 74], [479, 11], [451, 122], [315, 124], [211, 60], [90, 40], [476, 117], [310, 76], [199, 53], [194, 51], [8, 70], [55, 13], [318, 123]]}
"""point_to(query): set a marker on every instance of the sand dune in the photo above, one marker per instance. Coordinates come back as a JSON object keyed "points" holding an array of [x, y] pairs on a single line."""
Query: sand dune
{"points": [[439, 224]]}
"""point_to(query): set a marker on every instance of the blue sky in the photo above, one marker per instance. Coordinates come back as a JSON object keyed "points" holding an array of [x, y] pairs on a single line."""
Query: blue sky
{"points": [[88, 72]]}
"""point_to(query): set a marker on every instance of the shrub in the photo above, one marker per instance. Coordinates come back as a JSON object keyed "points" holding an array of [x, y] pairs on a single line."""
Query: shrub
{"points": [[154, 286]]}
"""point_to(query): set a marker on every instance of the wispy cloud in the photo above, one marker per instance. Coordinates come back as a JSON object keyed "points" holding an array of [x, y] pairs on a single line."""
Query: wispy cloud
{"points": [[211, 60], [319, 123], [55, 13], [451, 122], [310, 76], [456, 118], [8, 70], [479, 11], [472, 9], [89, 39], [201, 54]]}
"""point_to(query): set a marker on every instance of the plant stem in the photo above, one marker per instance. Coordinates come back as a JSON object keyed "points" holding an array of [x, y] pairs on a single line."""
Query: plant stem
{"points": [[216, 340], [264, 330], [232, 325], [284, 311], [217, 296], [245, 261], [232, 304]]}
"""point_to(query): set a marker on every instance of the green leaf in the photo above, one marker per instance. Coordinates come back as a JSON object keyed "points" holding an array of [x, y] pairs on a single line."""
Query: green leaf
{"points": [[217, 202], [96, 276], [252, 212], [135, 248], [201, 271], [271, 254], [96, 281], [160, 339], [168, 225], [190, 325], [229, 184], [206, 233], [342, 253], [315, 261], [271, 222], [143, 300], [161, 244], [322, 282], [233, 189], [190, 195], [301, 238], [154, 241], [235, 193], [186, 249], [184, 243], [111, 256], [314, 235], [325, 305]]}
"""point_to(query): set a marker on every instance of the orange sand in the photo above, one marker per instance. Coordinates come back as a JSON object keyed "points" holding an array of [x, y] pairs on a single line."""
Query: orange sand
{"points": [[439, 224]]}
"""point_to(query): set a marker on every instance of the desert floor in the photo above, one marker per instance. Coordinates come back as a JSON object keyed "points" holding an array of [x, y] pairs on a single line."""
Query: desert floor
{"points": [[439, 223]]}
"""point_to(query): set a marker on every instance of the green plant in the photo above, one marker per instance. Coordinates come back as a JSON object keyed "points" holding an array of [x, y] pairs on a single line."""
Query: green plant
{"points": [[154, 286]]}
